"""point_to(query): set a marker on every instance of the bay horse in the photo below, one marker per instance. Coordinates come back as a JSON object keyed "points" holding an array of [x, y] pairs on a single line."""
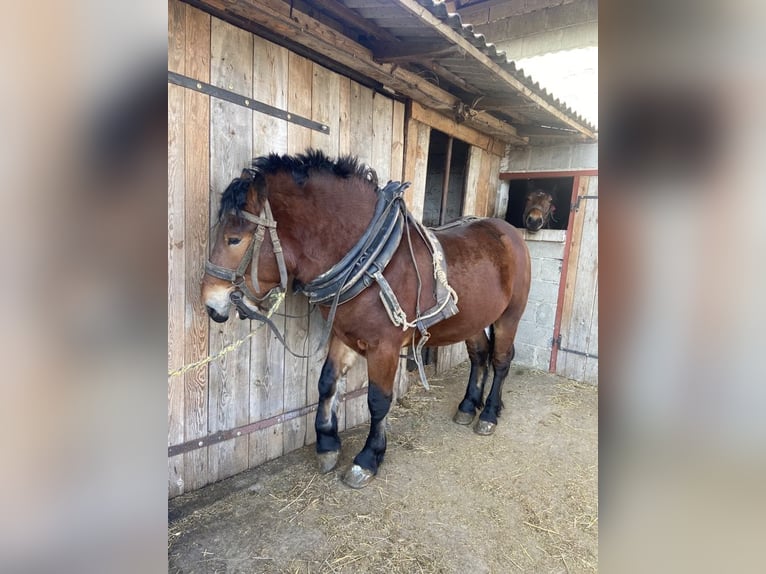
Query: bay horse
{"points": [[323, 207], [538, 209]]}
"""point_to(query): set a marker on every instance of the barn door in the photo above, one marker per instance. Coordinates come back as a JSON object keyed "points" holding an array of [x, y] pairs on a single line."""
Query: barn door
{"points": [[577, 338]]}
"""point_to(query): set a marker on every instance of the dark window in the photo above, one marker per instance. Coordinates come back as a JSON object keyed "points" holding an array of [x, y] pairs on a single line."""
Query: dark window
{"points": [[446, 155], [560, 189]]}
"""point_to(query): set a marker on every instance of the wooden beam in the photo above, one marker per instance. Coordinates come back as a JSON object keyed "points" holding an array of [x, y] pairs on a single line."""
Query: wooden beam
{"points": [[298, 28], [399, 52], [460, 131], [481, 58], [339, 11]]}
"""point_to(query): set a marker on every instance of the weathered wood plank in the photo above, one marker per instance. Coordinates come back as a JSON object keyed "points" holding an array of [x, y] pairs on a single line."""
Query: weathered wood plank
{"points": [[325, 108], [177, 36], [360, 117], [345, 128], [270, 81], [397, 142], [454, 129], [575, 238], [472, 181], [267, 355], [416, 166], [493, 180], [382, 111], [482, 187], [231, 66], [299, 90], [197, 151], [576, 336], [176, 286]]}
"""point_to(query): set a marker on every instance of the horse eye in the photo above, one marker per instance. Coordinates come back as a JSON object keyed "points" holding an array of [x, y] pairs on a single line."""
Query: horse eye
{"points": [[233, 240]]}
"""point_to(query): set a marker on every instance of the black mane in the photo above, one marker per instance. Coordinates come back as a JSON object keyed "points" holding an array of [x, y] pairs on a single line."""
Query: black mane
{"points": [[299, 166]]}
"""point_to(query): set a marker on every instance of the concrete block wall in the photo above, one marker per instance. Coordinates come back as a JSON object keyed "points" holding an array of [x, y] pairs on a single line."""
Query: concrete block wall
{"points": [[550, 158], [534, 337]]}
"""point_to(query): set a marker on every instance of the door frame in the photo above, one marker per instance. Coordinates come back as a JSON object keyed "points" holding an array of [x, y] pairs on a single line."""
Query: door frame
{"points": [[576, 183]]}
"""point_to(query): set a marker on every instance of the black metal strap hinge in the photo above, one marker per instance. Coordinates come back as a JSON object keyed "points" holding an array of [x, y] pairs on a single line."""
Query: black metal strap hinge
{"points": [[244, 101], [576, 205]]}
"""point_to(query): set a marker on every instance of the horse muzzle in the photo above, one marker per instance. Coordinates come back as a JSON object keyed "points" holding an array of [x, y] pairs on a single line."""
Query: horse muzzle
{"points": [[215, 315]]}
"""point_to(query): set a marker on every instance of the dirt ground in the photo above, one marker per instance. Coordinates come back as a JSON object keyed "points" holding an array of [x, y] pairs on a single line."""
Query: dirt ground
{"points": [[445, 499]]}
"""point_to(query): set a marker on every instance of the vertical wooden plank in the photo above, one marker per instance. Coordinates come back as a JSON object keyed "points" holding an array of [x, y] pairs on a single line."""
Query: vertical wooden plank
{"points": [[575, 239], [582, 306], [270, 80], [231, 67], [299, 90], [356, 409], [176, 259], [267, 354], [325, 104], [382, 111], [197, 124], [397, 142], [470, 205], [176, 36], [345, 128], [591, 363], [493, 180], [482, 190], [299, 139], [416, 166], [360, 117]]}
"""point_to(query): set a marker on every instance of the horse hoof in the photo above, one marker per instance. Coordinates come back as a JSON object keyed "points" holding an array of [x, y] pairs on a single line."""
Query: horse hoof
{"points": [[358, 477], [462, 418], [327, 460], [485, 428]]}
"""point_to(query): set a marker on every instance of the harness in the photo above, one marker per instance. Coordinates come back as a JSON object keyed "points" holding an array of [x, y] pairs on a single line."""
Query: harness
{"points": [[357, 270]]}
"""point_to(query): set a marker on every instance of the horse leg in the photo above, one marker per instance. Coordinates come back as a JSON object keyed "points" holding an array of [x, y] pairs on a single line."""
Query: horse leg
{"points": [[478, 353], [503, 352], [338, 362], [381, 372]]}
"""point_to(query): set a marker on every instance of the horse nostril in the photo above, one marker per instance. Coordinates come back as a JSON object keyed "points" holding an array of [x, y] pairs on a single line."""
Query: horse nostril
{"points": [[215, 315]]}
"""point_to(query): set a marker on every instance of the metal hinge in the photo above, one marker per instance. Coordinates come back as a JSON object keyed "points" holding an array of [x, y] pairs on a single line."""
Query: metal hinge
{"points": [[576, 205], [557, 343]]}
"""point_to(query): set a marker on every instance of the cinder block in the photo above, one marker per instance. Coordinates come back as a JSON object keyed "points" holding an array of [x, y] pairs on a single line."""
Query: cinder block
{"points": [[518, 159], [525, 354], [545, 315], [550, 158], [533, 334], [544, 292], [545, 249], [585, 156], [538, 44], [549, 270]]}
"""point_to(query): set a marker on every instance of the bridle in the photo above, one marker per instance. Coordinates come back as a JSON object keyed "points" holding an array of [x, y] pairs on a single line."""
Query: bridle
{"points": [[265, 220]]}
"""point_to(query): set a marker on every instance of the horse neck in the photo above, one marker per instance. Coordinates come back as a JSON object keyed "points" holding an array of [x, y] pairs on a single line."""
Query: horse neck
{"points": [[320, 222]]}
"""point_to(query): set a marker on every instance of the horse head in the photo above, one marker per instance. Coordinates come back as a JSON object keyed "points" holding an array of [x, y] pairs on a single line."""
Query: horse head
{"points": [[538, 209], [235, 265]]}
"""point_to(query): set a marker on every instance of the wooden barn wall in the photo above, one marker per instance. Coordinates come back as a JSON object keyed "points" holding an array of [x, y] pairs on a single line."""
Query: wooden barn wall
{"points": [[209, 142], [579, 314]]}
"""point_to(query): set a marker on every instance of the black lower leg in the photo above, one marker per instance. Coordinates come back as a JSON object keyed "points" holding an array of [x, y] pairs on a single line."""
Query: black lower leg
{"points": [[474, 392], [495, 399], [326, 422], [375, 448]]}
